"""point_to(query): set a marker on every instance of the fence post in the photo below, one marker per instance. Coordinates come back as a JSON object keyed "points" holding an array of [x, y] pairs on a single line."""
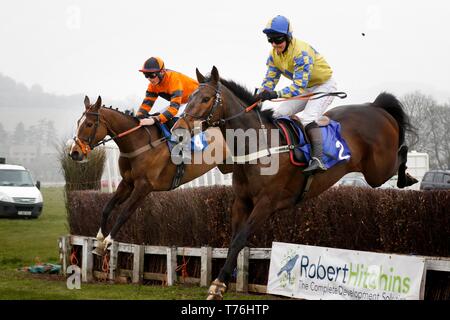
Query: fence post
{"points": [[206, 266], [113, 253], [138, 263], [108, 169], [422, 283], [87, 261], [242, 270], [64, 243], [171, 265]]}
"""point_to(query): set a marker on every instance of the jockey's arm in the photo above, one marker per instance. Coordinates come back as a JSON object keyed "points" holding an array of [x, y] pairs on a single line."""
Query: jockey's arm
{"points": [[272, 77], [176, 96], [147, 104], [302, 73]]}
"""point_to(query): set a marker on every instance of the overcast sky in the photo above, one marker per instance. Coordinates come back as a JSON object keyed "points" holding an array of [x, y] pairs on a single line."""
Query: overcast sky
{"points": [[97, 47]]}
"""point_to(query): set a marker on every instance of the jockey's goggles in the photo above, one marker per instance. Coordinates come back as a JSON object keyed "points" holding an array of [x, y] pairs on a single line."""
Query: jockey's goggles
{"points": [[151, 75], [276, 40]]}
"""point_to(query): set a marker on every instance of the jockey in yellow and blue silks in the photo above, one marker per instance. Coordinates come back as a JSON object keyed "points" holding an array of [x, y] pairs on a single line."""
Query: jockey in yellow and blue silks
{"points": [[309, 72]]}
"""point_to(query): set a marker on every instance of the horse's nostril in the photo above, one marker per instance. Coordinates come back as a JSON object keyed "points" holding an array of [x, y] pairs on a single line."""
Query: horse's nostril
{"points": [[74, 155]]}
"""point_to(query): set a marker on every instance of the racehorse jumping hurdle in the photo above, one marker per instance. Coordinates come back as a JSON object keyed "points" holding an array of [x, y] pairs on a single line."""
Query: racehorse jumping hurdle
{"points": [[206, 254]]}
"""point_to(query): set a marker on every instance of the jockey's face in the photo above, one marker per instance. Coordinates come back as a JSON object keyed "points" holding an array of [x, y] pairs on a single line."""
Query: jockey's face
{"points": [[279, 48], [154, 81], [278, 43], [153, 77]]}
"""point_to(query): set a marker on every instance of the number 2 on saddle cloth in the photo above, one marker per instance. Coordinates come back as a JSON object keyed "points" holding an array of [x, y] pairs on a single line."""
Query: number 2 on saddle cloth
{"points": [[335, 148]]}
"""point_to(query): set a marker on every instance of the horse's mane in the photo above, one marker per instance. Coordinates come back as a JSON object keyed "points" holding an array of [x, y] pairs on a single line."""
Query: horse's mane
{"points": [[245, 95], [127, 113]]}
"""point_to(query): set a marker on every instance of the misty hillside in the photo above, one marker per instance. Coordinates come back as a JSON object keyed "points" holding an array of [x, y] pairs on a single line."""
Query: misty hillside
{"points": [[34, 124], [18, 96], [19, 103]]}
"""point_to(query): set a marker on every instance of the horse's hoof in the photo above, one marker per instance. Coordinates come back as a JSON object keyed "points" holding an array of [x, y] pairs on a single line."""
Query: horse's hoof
{"points": [[410, 180], [216, 290], [214, 296], [99, 251]]}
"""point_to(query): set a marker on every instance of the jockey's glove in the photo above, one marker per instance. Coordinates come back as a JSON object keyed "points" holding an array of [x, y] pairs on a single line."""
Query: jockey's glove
{"points": [[266, 95], [148, 121]]}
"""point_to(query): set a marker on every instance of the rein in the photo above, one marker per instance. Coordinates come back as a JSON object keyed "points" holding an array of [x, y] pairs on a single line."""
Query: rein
{"points": [[87, 147], [120, 135], [268, 151], [218, 101], [307, 96]]}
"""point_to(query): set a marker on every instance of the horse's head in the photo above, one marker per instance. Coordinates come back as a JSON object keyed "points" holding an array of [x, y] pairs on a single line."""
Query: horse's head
{"points": [[205, 104], [90, 130]]}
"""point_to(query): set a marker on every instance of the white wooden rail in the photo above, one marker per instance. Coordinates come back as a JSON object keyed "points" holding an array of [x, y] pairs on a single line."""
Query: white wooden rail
{"points": [[206, 255]]}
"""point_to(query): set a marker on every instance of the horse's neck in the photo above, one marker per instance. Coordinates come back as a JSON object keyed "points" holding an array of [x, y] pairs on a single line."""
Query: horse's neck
{"points": [[247, 120], [118, 123]]}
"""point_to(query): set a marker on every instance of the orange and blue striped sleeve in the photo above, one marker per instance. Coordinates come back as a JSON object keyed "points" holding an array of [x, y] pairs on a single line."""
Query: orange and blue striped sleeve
{"points": [[149, 101], [176, 95]]}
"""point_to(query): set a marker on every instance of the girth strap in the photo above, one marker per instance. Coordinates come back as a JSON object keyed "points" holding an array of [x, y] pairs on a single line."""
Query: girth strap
{"points": [[179, 173], [305, 190], [136, 152]]}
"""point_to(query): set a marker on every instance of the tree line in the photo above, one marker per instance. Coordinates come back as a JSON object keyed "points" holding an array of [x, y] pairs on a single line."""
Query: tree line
{"points": [[432, 123]]}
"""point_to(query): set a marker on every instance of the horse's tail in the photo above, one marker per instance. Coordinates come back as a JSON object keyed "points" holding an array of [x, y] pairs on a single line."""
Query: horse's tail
{"points": [[395, 108]]}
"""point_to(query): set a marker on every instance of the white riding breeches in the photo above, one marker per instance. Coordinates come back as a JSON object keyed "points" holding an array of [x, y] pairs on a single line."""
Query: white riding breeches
{"points": [[312, 109]]}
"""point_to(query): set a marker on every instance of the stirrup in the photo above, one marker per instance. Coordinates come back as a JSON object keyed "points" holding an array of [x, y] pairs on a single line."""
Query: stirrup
{"points": [[315, 165]]}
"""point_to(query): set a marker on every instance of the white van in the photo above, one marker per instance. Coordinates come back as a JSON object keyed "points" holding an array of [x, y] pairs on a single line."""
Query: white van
{"points": [[19, 197]]}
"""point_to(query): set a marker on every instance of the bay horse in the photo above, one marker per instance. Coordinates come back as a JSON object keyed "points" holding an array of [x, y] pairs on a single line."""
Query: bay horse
{"points": [[144, 163], [374, 132]]}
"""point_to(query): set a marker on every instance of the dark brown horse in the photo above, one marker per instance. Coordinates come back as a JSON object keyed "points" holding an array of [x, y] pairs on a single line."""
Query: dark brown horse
{"points": [[145, 161], [374, 132]]}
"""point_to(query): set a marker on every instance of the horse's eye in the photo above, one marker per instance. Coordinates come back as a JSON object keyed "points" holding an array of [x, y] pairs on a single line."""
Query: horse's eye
{"points": [[89, 124], [205, 99]]}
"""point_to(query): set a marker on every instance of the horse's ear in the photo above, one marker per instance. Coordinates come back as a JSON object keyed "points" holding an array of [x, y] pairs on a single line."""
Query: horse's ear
{"points": [[98, 103], [87, 102], [200, 77], [215, 74]]}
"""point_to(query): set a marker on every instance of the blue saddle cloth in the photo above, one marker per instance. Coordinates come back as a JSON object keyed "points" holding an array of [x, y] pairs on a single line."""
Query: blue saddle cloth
{"points": [[335, 148], [198, 142]]}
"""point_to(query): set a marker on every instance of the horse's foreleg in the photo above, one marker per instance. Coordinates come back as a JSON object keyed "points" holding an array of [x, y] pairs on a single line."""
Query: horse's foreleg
{"points": [[239, 214], [258, 215], [138, 194], [402, 158], [122, 193], [404, 179]]}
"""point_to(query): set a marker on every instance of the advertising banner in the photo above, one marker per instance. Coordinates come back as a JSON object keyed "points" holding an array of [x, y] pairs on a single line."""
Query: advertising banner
{"points": [[314, 273]]}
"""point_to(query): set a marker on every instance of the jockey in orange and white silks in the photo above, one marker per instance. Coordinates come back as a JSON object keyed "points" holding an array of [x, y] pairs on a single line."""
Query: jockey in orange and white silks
{"points": [[309, 72], [168, 84]]}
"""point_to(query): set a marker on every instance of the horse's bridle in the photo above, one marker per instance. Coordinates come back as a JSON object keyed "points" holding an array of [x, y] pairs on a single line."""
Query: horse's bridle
{"points": [[209, 114], [87, 146], [217, 102]]}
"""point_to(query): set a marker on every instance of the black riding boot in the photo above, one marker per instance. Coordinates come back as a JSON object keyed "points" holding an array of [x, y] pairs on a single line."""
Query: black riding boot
{"points": [[315, 136]]}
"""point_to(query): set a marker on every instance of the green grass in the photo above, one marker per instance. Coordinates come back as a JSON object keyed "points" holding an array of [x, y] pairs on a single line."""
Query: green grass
{"points": [[19, 285], [25, 242]]}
